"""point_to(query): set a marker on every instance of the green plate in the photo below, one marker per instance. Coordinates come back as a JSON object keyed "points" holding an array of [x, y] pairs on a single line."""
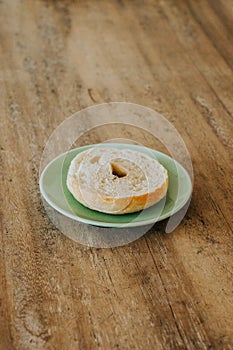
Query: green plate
{"points": [[54, 190]]}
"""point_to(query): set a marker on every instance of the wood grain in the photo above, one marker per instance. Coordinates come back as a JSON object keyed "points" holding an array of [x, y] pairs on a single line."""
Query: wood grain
{"points": [[162, 291]]}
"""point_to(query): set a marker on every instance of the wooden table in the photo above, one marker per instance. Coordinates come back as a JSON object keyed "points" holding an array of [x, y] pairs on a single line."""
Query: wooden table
{"points": [[163, 291]]}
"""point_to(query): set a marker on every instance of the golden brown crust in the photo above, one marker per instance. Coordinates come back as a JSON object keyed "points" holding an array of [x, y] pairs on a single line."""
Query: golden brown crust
{"points": [[118, 205]]}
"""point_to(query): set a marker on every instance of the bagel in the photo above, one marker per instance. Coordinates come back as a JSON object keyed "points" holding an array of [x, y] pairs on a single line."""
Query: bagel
{"points": [[116, 181]]}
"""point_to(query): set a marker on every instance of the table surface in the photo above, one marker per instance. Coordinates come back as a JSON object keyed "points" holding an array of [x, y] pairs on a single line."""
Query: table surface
{"points": [[163, 291]]}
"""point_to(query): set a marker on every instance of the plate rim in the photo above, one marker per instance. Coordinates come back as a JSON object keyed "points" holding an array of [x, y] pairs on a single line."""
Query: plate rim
{"points": [[108, 224]]}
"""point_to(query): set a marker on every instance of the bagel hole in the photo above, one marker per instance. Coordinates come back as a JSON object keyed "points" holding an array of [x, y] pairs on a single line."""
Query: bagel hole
{"points": [[117, 171]]}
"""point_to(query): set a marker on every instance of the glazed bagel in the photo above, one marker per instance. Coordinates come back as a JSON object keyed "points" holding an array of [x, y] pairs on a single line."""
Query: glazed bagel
{"points": [[116, 181]]}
